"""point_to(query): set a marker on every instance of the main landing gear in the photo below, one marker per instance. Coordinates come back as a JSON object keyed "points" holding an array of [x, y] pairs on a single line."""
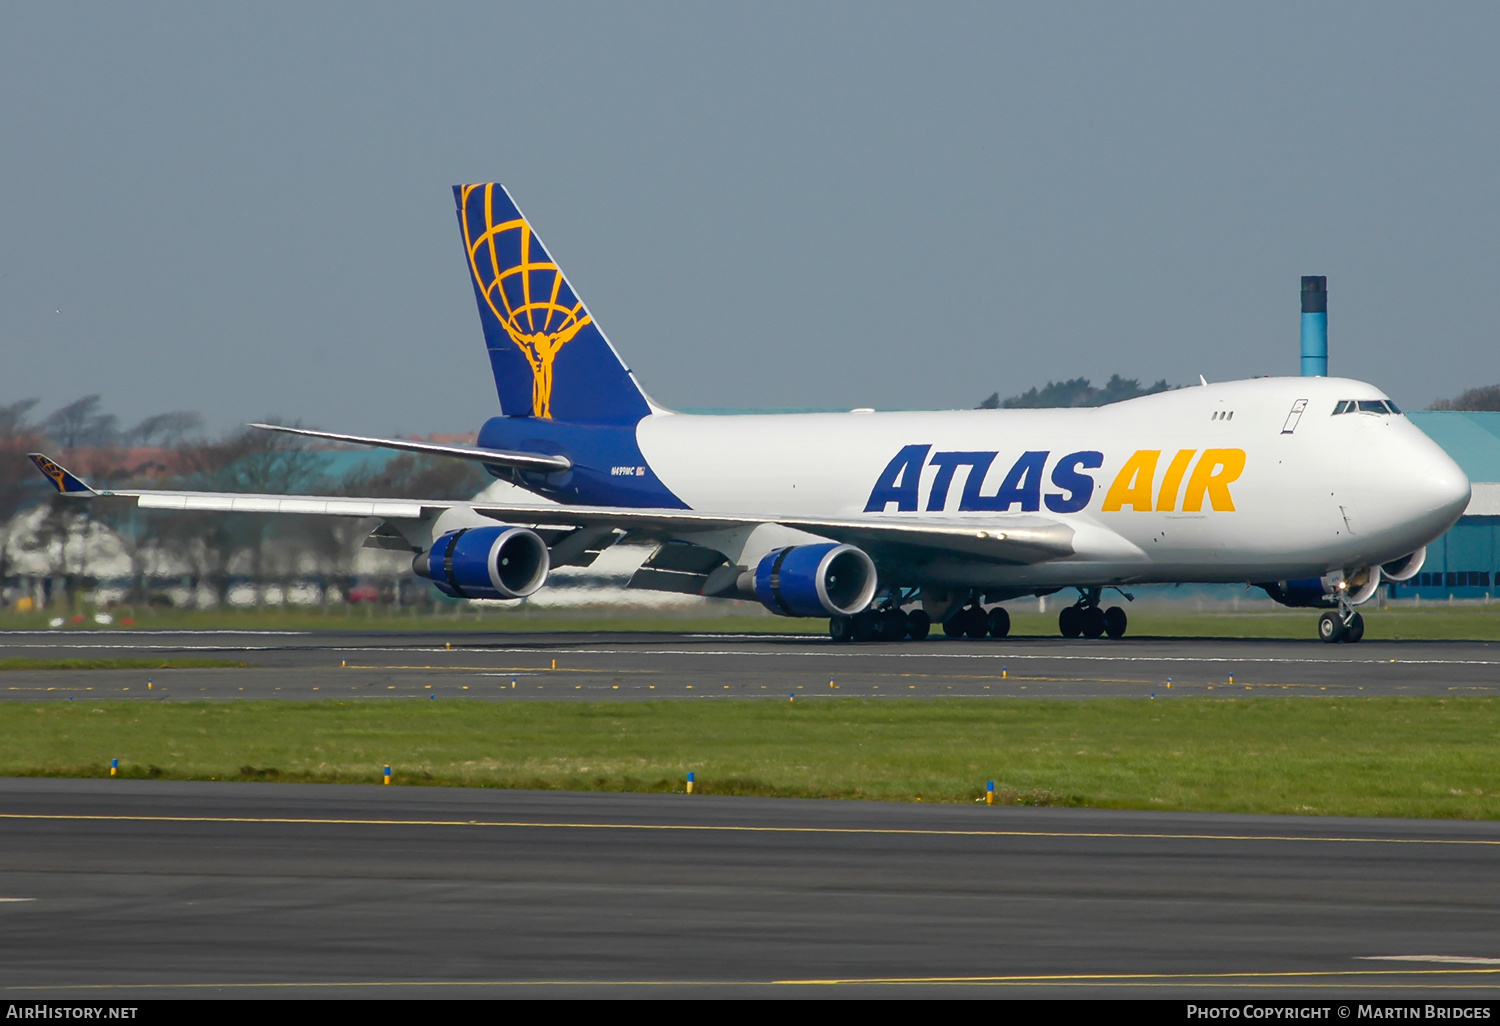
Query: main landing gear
{"points": [[975, 622], [1086, 618], [890, 624]]}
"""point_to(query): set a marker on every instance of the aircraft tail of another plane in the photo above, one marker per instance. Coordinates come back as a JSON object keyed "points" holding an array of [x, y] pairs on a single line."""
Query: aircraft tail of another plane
{"points": [[549, 358]]}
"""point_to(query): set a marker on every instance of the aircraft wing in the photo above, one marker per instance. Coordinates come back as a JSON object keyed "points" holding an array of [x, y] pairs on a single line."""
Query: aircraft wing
{"points": [[1005, 539], [238, 502], [1019, 538]]}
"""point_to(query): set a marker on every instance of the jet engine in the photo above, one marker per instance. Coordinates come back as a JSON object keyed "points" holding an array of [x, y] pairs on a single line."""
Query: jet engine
{"points": [[1361, 584], [1405, 568], [486, 563], [815, 580], [1321, 592]]}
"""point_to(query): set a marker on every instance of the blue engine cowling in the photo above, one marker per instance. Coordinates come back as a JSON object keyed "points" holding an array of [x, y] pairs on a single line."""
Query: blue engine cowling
{"points": [[486, 563], [1305, 592], [815, 580]]}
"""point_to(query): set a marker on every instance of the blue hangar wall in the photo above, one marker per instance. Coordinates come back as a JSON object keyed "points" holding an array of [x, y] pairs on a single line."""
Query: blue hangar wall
{"points": [[1465, 562]]}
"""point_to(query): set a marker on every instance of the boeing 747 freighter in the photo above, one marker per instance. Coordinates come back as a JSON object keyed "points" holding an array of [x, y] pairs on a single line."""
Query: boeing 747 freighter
{"points": [[1315, 489]]}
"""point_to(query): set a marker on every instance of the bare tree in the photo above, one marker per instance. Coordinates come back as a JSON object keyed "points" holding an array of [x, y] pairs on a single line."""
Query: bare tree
{"points": [[66, 521], [246, 461], [19, 482], [411, 476], [82, 423], [167, 429]]}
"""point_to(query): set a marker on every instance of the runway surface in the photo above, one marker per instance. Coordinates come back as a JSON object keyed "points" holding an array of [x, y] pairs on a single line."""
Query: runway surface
{"points": [[564, 666], [151, 889]]}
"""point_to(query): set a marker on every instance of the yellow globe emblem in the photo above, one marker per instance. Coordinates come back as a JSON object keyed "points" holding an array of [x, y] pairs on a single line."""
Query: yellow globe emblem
{"points": [[528, 296]]}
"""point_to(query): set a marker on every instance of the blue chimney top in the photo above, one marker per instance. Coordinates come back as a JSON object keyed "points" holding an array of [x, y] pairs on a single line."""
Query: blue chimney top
{"points": [[1314, 326]]}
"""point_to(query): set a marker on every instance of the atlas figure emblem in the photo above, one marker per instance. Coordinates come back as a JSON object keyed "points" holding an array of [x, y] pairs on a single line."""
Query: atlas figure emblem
{"points": [[527, 295]]}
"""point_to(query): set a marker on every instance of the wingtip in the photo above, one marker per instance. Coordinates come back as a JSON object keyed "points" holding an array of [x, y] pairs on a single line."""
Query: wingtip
{"points": [[62, 479]]}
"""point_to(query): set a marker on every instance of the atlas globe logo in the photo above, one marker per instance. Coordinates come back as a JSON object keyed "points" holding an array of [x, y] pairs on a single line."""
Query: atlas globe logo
{"points": [[522, 287]]}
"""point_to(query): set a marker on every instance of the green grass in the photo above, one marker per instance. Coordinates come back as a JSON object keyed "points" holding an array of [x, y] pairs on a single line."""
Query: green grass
{"points": [[1156, 619], [1429, 623], [28, 663], [1414, 757], [738, 618]]}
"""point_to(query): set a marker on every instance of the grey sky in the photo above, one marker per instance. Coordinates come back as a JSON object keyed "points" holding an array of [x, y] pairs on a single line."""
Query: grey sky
{"points": [[245, 209]]}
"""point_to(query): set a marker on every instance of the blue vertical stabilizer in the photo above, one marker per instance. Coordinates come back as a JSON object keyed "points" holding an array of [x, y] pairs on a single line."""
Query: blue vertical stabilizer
{"points": [[549, 358]]}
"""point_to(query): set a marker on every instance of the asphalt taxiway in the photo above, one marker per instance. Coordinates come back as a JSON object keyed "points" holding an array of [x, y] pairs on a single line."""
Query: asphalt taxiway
{"points": [[155, 888], [635, 666]]}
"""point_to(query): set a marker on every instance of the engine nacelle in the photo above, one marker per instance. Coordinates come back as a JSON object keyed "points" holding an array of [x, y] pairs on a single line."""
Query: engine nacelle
{"points": [[1316, 592], [1322, 592], [486, 563], [1405, 568], [815, 580], [1361, 584]]}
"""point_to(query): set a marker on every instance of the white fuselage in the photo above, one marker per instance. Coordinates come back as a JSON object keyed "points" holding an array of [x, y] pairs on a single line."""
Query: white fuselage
{"points": [[1314, 494]]}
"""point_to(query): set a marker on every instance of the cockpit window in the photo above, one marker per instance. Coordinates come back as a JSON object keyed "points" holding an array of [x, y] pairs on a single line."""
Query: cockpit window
{"points": [[1382, 406]]}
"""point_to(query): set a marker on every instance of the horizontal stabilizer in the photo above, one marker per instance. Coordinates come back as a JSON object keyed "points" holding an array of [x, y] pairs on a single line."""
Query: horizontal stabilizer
{"points": [[498, 457]]}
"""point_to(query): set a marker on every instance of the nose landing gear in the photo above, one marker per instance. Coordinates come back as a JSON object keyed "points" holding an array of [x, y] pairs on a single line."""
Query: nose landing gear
{"points": [[1337, 625]]}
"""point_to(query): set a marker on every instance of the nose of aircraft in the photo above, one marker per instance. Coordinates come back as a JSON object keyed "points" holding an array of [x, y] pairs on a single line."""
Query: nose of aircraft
{"points": [[1438, 484]]}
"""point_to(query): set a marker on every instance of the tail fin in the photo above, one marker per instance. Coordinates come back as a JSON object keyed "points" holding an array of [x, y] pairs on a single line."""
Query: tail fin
{"points": [[549, 357]]}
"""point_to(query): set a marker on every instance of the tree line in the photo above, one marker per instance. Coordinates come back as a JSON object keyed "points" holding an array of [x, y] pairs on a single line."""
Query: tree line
{"points": [[207, 549]]}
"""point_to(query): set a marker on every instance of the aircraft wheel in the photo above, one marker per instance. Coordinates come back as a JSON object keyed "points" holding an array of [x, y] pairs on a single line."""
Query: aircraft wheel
{"points": [[1093, 622], [1356, 629], [918, 624], [841, 628], [1114, 622], [953, 627], [867, 626], [1070, 622], [976, 624], [893, 625], [1331, 629], [998, 622]]}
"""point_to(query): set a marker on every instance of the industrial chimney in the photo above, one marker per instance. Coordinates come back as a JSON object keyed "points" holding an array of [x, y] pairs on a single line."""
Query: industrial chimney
{"points": [[1314, 326]]}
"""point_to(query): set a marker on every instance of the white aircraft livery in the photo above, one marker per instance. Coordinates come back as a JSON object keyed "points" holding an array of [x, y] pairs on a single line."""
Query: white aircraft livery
{"points": [[1314, 489]]}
